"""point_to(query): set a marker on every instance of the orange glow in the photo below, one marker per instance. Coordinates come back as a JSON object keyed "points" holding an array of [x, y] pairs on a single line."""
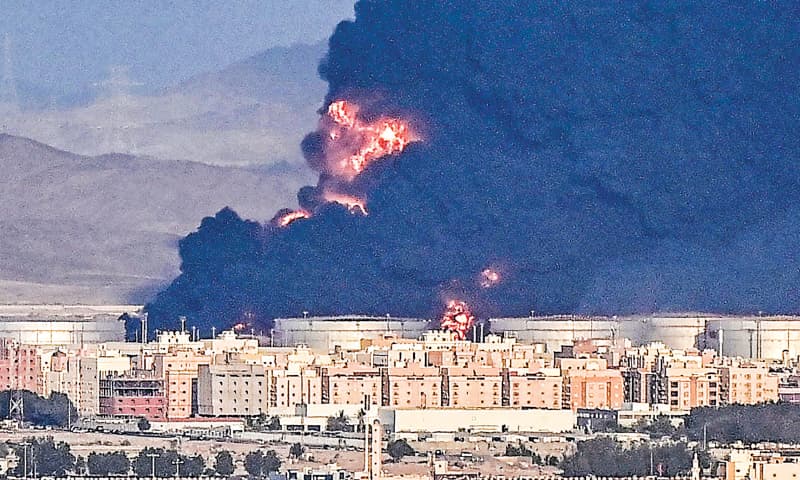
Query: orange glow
{"points": [[290, 217], [372, 141], [343, 113], [239, 327], [354, 204], [457, 318], [489, 278]]}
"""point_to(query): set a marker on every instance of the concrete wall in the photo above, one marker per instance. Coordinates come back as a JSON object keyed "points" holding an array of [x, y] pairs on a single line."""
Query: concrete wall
{"points": [[476, 420]]}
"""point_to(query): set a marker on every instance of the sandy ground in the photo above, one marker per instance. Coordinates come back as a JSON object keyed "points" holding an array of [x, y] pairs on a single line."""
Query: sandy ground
{"points": [[484, 456]]}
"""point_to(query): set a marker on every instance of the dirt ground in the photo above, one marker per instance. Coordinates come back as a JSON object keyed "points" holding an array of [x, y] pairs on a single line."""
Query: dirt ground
{"points": [[83, 444]]}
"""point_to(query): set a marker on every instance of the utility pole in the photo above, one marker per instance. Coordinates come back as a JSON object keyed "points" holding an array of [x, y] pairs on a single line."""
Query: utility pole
{"points": [[153, 457], [177, 462], [25, 459]]}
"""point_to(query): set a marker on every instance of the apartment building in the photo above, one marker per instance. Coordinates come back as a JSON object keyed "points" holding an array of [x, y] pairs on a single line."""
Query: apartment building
{"points": [[747, 384], [593, 389], [541, 389], [236, 389], [135, 394], [414, 386], [350, 384]]}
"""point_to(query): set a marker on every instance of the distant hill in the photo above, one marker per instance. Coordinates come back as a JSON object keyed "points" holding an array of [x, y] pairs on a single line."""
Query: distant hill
{"points": [[104, 229], [255, 111]]}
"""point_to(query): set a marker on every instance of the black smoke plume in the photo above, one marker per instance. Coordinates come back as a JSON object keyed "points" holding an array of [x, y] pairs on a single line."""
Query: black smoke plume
{"points": [[603, 157]]}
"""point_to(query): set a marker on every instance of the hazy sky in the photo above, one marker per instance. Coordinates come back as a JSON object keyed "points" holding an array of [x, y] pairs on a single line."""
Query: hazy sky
{"points": [[65, 46]]}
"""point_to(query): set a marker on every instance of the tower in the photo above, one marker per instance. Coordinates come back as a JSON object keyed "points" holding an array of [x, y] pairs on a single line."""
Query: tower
{"points": [[373, 451]]}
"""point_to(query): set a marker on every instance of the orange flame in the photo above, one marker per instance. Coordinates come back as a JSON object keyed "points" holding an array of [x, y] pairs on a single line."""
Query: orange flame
{"points": [[457, 318], [489, 278], [354, 204], [374, 140], [290, 217]]}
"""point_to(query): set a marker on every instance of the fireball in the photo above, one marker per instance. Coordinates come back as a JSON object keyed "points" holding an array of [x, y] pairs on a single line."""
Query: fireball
{"points": [[457, 318], [291, 216], [360, 143], [353, 203], [489, 278]]}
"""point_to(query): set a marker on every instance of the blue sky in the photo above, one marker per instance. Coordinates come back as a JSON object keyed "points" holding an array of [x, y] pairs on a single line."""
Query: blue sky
{"points": [[65, 46]]}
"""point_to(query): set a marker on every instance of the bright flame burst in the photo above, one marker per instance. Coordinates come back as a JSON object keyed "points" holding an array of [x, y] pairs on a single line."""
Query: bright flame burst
{"points": [[377, 139], [353, 204], [457, 318], [489, 278], [290, 217]]}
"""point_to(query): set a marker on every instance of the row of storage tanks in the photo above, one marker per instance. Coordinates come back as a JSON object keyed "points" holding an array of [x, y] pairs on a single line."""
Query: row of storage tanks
{"points": [[740, 335], [745, 336]]}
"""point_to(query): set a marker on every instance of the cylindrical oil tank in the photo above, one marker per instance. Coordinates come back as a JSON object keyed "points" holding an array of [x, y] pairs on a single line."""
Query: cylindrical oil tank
{"points": [[680, 331], [755, 336], [54, 325], [555, 331], [325, 334]]}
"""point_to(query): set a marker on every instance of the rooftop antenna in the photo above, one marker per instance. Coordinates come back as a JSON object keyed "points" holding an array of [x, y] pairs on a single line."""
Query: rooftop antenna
{"points": [[8, 87]]}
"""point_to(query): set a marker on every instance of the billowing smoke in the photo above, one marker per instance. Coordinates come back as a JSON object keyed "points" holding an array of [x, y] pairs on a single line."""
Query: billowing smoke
{"points": [[567, 157]]}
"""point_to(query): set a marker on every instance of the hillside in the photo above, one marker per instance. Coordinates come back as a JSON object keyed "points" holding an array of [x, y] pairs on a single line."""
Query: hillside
{"points": [[104, 229], [254, 112]]}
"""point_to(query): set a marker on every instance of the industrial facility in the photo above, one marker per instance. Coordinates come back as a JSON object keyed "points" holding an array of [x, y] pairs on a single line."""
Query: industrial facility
{"points": [[344, 332], [749, 336], [52, 325]]}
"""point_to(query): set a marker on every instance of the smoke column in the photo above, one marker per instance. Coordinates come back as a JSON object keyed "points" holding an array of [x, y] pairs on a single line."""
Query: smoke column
{"points": [[603, 158]]}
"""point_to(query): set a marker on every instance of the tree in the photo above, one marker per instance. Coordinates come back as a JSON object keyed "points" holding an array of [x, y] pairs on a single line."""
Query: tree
{"points": [[338, 423], [296, 451], [519, 450], [111, 463], [660, 426], [253, 462], [259, 464], [192, 466], [56, 410], [223, 464], [44, 457], [271, 462], [143, 424], [399, 449], [164, 462], [606, 457], [80, 465], [274, 423]]}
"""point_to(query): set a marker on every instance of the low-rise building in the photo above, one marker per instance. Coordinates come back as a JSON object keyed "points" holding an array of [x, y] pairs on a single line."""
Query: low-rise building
{"points": [[138, 394]]}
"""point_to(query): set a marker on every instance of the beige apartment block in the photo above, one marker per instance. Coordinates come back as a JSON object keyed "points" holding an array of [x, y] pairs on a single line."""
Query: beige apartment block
{"points": [[542, 389], [233, 390], [294, 386], [601, 388], [350, 384], [179, 368], [747, 384], [473, 387], [413, 386]]}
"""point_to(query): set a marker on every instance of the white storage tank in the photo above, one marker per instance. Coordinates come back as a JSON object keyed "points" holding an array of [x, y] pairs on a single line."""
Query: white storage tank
{"points": [[555, 331], [325, 334], [54, 325], [755, 336], [680, 331]]}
